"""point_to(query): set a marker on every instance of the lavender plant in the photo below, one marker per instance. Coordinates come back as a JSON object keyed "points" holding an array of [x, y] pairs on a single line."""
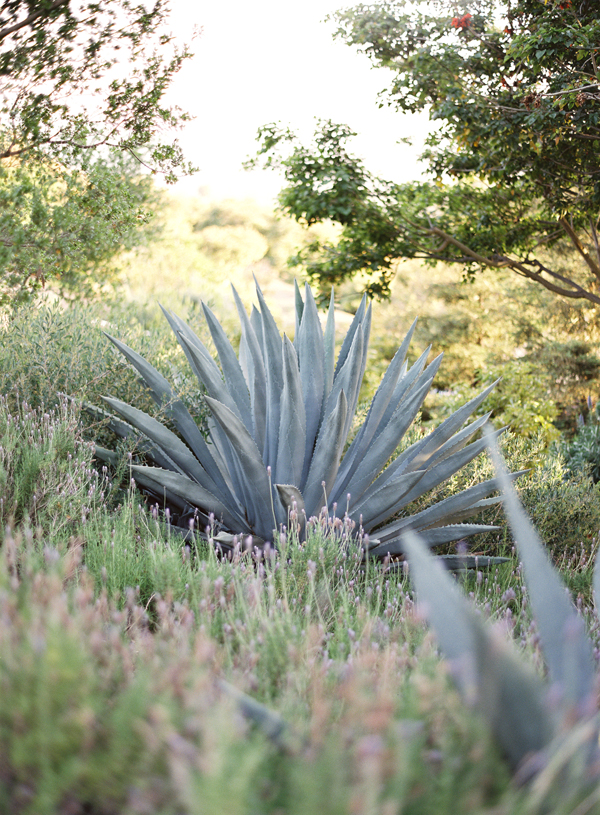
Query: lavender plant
{"points": [[281, 416]]}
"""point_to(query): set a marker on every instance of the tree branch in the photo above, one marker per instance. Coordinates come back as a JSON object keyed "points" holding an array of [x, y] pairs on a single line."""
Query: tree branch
{"points": [[5, 32], [569, 288], [594, 268]]}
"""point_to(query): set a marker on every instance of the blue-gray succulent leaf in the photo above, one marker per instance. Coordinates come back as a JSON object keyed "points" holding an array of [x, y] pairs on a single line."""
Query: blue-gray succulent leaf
{"points": [[292, 425], [192, 492], [408, 381], [309, 347], [455, 507], [445, 468], [434, 441], [596, 585], [209, 374], [299, 309], [380, 505], [348, 379], [254, 484], [273, 360], [374, 420], [252, 363], [164, 396], [357, 320], [565, 644], [326, 458], [329, 347], [181, 329], [292, 501], [166, 440], [392, 540], [232, 371], [367, 476], [510, 695]]}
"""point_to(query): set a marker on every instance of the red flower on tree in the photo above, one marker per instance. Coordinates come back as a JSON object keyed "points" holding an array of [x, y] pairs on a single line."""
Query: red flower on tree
{"points": [[462, 22]]}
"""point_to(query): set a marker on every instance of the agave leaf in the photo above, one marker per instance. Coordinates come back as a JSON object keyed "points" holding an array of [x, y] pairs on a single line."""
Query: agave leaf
{"points": [[326, 458], [411, 379], [255, 486], [292, 428], [182, 329], [382, 448], [448, 427], [459, 440], [368, 430], [348, 379], [329, 348], [444, 469], [596, 585], [177, 411], [299, 303], [271, 723], [273, 358], [252, 362], [446, 510], [167, 441], [510, 696], [257, 325], [566, 646], [106, 455], [144, 445], [459, 563], [309, 346], [163, 395], [381, 504], [392, 544], [190, 491], [230, 366], [162, 493], [349, 338], [209, 375]]}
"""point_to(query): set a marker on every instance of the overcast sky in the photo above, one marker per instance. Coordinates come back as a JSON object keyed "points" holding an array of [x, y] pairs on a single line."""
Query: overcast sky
{"points": [[275, 60]]}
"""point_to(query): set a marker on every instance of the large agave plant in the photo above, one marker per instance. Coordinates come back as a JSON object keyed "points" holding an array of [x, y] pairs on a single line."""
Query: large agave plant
{"points": [[547, 728], [280, 418]]}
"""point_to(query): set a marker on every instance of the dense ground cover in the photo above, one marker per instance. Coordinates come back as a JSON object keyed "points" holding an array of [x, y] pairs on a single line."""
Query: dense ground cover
{"points": [[117, 637]]}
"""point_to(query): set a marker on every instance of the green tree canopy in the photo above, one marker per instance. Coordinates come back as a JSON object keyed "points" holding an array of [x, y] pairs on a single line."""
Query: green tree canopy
{"points": [[83, 126], [513, 157]]}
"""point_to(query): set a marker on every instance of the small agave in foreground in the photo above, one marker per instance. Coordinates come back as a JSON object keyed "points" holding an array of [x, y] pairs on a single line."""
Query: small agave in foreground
{"points": [[280, 417], [547, 729]]}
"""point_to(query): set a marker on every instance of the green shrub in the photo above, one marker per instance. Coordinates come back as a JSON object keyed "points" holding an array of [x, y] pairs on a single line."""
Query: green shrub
{"points": [[48, 350], [46, 474], [521, 399], [582, 452]]}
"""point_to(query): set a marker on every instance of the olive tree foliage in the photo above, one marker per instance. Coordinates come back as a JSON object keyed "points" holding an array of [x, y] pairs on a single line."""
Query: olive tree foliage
{"points": [[83, 127], [513, 156]]}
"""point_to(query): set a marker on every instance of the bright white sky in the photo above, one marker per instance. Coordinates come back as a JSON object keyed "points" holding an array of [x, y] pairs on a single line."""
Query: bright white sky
{"points": [[275, 60]]}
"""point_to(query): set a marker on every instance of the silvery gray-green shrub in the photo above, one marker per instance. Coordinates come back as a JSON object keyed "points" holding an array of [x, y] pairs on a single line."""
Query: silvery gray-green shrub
{"points": [[280, 416], [548, 728]]}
